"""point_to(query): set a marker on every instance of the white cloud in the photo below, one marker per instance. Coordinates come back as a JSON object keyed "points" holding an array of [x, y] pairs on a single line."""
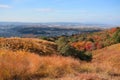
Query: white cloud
{"points": [[44, 10], [4, 6]]}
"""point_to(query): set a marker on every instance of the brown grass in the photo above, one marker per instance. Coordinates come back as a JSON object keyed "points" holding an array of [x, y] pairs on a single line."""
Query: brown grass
{"points": [[106, 62], [104, 66], [38, 46], [27, 66], [109, 57], [20, 63]]}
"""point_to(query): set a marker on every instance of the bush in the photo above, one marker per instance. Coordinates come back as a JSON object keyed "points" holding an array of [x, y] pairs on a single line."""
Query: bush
{"points": [[88, 56], [68, 50], [61, 42], [65, 49], [72, 39], [116, 36], [43, 37]]}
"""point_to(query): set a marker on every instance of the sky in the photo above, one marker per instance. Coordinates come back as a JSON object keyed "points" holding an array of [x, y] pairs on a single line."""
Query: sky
{"points": [[84, 11]]}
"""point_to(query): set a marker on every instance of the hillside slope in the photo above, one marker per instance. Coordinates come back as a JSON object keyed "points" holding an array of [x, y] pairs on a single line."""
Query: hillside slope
{"points": [[21, 65], [107, 53], [107, 60], [105, 64], [38, 46]]}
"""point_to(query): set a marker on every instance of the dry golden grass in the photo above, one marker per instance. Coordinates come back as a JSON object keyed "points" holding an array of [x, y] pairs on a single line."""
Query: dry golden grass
{"points": [[17, 62], [109, 56], [39, 46], [107, 61], [104, 66], [22, 65], [83, 76]]}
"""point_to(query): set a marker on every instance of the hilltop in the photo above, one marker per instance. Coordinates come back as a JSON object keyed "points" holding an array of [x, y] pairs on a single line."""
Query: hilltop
{"points": [[39, 46]]}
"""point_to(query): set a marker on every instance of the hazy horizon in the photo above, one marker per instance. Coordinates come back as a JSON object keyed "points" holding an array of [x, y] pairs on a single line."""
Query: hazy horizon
{"points": [[39, 11]]}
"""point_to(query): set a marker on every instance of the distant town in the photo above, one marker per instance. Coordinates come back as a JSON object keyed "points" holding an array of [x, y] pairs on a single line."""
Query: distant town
{"points": [[19, 29]]}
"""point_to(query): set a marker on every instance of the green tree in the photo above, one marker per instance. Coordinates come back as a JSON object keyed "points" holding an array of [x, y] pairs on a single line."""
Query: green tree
{"points": [[65, 49], [116, 36], [61, 42]]}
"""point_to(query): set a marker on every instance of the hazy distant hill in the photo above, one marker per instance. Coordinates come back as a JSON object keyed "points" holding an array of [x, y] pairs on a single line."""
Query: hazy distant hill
{"points": [[19, 29]]}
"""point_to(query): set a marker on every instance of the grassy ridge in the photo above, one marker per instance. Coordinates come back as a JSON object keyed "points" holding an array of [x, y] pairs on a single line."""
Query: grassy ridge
{"points": [[38, 46]]}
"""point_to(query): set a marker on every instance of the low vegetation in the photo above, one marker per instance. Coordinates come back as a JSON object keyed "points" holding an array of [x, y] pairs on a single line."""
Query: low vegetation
{"points": [[93, 56], [65, 49], [20, 65], [81, 46], [38, 46]]}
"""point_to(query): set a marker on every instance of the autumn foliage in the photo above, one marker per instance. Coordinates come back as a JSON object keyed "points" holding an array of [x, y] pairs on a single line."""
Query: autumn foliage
{"points": [[97, 40], [36, 59], [84, 45]]}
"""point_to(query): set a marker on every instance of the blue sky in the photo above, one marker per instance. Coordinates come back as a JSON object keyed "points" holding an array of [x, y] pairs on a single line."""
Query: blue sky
{"points": [[94, 11]]}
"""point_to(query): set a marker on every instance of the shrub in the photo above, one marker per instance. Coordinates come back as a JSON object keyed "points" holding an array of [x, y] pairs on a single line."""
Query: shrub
{"points": [[88, 56], [61, 42], [72, 39], [43, 37], [68, 50], [65, 49], [116, 36]]}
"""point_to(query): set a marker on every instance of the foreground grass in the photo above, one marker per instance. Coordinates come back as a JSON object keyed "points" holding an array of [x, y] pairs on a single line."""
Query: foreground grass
{"points": [[22, 65]]}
